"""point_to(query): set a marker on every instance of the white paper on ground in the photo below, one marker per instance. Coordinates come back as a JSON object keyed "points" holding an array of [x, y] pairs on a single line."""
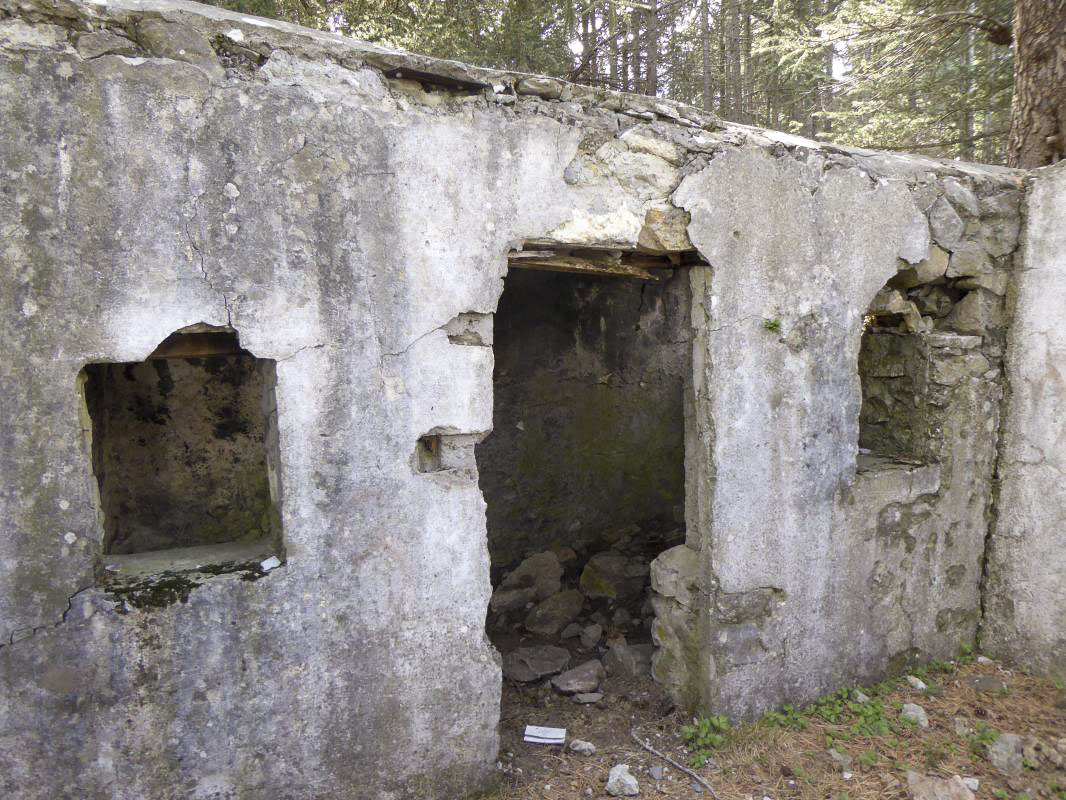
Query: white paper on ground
{"points": [[536, 734]]}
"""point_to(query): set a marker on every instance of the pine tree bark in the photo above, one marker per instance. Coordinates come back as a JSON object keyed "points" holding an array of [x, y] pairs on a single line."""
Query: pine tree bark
{"points": [[637, 76], [724, 106], [1038, 110], [705, 41], [731, 88], [747, 73], [651, 82], [612, 38], [965, 115]]}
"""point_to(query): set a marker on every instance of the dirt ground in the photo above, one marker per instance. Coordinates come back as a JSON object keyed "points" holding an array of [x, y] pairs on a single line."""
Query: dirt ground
{"points": [[786, 756]]}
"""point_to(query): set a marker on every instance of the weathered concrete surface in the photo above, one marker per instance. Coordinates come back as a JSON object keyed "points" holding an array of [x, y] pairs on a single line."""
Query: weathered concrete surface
{"points": [[815, 572], [588, 419], [168, 164], [339, 235], [1025, 588]]}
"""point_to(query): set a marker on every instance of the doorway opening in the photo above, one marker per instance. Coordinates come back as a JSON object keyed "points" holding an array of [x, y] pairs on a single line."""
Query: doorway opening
{"points": [[583, 475]]}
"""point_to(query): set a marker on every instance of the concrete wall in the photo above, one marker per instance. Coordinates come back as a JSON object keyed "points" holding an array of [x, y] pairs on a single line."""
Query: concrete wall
{"points": [[338, 235], [170, 164], [588, 414], [1025, 589], [815, 572]]}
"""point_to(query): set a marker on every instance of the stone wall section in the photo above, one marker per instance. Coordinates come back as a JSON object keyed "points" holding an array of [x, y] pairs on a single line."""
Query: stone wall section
{"points": [[1025, 586], [349, 211], [819, 564]]}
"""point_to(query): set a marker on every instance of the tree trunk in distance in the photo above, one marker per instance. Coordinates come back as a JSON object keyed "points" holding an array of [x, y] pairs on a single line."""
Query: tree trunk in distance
{"points": [[1038, 111], [705, 40], [612, 38], [651, 83]]}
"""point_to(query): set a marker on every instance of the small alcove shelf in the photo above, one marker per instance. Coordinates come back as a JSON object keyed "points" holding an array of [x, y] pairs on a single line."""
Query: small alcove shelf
{"points": [[184, 449]]}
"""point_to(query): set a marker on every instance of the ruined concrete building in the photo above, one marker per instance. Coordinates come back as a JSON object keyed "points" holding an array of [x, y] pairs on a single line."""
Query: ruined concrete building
{"points": [[305, 339]]}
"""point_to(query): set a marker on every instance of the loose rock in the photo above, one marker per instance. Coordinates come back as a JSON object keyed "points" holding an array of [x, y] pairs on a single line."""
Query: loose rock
{"points": [[841, 760], [587, 698], [1005, 754], [583, 678], [620, 783], [926, 788], [860, 697], [541, 571], [629, 659], [582, 748], [987, 683], [916, 683], [180, 43], [946, 225], [550, 616], [529, 663], [621, 618], [916, 714], [927, 271], [612, 575], [570, 631], [98, 43], [504, 599], [590, 635]]}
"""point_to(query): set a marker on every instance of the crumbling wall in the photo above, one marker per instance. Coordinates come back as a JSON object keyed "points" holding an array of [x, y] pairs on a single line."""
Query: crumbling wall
{"points": [[1025, 585], [588, 409], [817, 567], [293, 199], [349, 211]]}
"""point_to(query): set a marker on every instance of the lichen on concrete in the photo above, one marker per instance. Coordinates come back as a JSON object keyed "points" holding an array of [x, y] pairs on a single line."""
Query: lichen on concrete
{"points": [[350, 210]]}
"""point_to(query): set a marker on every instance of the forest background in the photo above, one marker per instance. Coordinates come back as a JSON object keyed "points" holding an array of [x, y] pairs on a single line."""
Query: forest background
{"points": [[927, 76]]}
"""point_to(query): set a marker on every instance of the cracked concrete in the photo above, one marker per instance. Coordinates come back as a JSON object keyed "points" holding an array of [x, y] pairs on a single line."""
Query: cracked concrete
{"points": [[357, 232], [1025, 592], [28, 633]]}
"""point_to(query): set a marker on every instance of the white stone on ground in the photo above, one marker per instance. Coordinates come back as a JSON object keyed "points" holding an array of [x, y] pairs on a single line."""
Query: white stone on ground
{"points": [[916, 714], [582, 748], [922, 787], [620, 783]]}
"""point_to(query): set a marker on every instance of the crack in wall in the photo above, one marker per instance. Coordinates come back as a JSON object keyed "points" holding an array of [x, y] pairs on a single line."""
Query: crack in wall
{"points": [[299, 350], [14, 638], [203, 262]]}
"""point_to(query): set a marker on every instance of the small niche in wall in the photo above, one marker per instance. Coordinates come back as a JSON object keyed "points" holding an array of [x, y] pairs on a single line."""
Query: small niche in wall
{"points": [[923, 344], [184, 449], [427, 454]]}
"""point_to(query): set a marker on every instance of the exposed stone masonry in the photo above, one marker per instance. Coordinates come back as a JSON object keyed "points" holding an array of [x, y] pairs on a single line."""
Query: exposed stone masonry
{"points": [[850, 503]]}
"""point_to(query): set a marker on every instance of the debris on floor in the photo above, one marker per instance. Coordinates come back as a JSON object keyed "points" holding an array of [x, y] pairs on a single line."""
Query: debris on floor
{"points": [[1009, 743]]}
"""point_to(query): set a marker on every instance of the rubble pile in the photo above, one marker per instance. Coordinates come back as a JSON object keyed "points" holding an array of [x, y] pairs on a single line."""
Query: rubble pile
{"points": [[576, 614]]}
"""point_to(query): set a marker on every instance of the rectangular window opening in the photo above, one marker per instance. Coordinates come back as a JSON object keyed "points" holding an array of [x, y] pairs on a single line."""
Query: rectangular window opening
{"points": [[184, 449]]}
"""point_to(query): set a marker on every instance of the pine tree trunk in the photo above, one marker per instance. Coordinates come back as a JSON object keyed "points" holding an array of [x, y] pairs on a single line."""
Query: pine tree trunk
{"points": [[612, 37], [966, 117], [724, 107], [1038, 112], [731, 89], [634, 58], [651, 81], [705, 41], [747, 82]]}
